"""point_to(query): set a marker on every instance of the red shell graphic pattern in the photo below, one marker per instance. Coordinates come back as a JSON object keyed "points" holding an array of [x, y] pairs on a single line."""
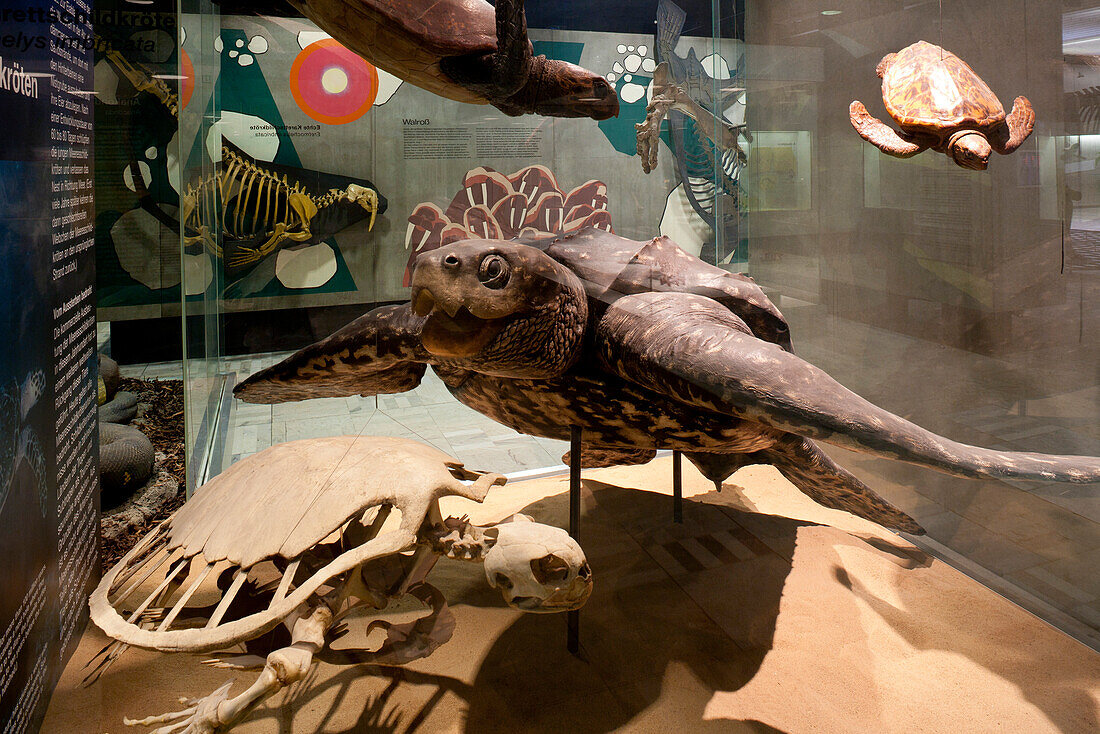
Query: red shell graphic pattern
{"points": [[491, 205]]}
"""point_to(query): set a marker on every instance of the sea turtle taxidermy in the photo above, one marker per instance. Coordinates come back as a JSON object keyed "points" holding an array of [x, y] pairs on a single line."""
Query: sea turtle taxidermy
{"points": [[940, 103], [303, 542], [465, 50], [643, 347]]}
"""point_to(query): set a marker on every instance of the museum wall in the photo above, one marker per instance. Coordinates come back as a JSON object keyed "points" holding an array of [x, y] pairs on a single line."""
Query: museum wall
{"points": [[966, 301]]}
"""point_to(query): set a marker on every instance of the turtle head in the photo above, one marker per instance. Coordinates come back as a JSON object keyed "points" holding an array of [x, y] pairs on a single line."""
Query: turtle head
{"points": [[500, 308], [557, 88], [970, 149]]}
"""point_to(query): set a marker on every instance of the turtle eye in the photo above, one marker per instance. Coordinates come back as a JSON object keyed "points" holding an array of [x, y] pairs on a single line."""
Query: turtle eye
{"points": [[494, 272]]}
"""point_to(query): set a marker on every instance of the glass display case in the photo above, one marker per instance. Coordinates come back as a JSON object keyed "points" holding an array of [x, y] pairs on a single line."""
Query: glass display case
{"points": [[786, 312]]}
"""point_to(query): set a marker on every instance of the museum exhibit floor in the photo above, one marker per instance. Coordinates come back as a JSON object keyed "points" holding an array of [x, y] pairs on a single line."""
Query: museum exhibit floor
{"points": [[763, 611]]}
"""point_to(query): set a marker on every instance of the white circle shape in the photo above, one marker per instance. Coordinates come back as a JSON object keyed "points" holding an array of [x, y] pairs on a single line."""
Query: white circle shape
{"points": [[239, 43], [257, 45], [632, 62], [621, 48], [151, 153], [334, 80], [246, 60], [649, 65], [617, 68], [631, 92], [233, 54], [628, 77], [643, 50], [218, 44]]}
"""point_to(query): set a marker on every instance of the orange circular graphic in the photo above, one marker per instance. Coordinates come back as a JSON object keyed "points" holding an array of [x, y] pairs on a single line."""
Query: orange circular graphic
{"points": [[187, 83], [331, 84]]}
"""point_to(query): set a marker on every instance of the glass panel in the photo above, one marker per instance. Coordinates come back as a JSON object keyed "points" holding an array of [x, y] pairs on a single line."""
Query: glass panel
{"points": [[962, 300], [201, 234]]}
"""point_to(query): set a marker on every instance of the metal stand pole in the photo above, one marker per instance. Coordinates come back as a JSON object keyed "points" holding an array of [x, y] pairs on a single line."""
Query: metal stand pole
{"points": [[677, 487], [573, 618]]}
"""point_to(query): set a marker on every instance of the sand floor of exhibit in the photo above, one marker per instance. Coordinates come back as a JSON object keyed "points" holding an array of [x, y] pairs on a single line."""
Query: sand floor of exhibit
{"points": [[761, 612]]}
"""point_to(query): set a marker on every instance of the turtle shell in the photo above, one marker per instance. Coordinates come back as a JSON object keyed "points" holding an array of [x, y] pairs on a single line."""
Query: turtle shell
{"points": [[610, 266], [408, 38], [928, 89], [283, 500]]}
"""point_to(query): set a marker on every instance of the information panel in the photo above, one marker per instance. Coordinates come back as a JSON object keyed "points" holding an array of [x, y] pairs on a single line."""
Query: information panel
{"points": [[48, 446]]}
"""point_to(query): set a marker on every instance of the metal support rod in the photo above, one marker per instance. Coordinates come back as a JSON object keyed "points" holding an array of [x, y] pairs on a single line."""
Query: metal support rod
{"points": [[573, 618], [677, 487]]}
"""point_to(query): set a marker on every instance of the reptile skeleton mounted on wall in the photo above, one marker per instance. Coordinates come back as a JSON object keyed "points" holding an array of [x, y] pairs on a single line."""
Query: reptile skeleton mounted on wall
{"points": [[642, 346]]}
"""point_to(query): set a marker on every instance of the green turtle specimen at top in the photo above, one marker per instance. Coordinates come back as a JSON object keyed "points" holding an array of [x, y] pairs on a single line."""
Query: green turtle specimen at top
{"points": [[940, 103], [465, 50], [642, 346]]}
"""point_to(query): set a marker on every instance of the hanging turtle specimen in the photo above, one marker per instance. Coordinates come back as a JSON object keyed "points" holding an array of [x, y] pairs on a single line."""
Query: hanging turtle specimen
{"points": [[465, 50], [940, 103], [642, 346]]}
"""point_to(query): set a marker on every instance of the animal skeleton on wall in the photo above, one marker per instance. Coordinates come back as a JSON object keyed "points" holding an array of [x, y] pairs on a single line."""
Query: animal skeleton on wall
{"points": [[261, 206]]}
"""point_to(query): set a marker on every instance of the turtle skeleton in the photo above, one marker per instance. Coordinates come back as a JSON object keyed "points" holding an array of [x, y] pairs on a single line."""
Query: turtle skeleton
{"points": [[302, 536], [257, 205]]}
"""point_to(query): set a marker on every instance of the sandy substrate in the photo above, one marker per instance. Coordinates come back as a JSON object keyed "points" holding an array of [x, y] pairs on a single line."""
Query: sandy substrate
{"points": [[763, 612]]}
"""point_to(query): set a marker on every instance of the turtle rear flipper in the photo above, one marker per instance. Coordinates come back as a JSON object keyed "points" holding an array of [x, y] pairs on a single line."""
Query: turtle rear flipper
{"points": [[880, 135], [500, 74], [808, 467], [1016, 128], [884, 65]]}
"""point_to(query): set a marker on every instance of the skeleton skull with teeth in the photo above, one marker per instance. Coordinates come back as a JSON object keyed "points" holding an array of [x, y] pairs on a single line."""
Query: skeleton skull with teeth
{"points": [[538, 568]]}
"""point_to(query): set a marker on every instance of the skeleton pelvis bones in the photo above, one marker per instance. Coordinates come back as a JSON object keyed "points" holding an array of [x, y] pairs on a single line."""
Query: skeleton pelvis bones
{"points": [[252, 204], [305, 536]]}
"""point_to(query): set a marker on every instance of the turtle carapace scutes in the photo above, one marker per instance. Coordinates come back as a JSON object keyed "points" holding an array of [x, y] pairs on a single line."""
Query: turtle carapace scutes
{"points": [[642, 346], [465, 50], [940, 103]]}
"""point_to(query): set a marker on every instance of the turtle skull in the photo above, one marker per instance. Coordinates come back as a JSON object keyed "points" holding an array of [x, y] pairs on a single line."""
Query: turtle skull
{"points": [[538, 568]]}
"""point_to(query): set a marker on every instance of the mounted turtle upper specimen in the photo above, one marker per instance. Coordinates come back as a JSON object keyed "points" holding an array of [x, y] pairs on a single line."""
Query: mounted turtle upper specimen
{"points": [[643, 347], [940, 103], [298, 535], [464, 50]]}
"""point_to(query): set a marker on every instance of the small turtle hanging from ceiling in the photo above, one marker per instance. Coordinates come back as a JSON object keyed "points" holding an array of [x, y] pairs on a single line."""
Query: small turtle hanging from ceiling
{"points": [[940, 103]]}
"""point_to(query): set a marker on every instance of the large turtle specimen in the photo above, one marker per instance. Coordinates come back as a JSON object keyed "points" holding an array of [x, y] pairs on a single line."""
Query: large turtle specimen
{"points": [[940, 103], [643, 347], [464, 50], [303, 543]]}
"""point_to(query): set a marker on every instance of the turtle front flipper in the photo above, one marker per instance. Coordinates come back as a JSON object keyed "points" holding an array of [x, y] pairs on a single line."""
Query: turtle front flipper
{"points": [[1016, 128], [880, 135], [378, 353], [500, 74], [690, 348]]}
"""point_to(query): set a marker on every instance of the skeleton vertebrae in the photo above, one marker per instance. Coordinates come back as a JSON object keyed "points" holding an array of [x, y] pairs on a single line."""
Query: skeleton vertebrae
{"points": [[255, 204]]}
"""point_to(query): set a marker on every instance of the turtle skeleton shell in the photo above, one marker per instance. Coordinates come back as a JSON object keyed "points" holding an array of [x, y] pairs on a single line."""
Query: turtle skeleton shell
{"points": [[277, 505]]}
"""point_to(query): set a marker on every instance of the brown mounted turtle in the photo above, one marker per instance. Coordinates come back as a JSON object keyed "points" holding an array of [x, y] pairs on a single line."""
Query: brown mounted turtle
{"points": [[642, 346], [940, 103], [466, 51]]}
